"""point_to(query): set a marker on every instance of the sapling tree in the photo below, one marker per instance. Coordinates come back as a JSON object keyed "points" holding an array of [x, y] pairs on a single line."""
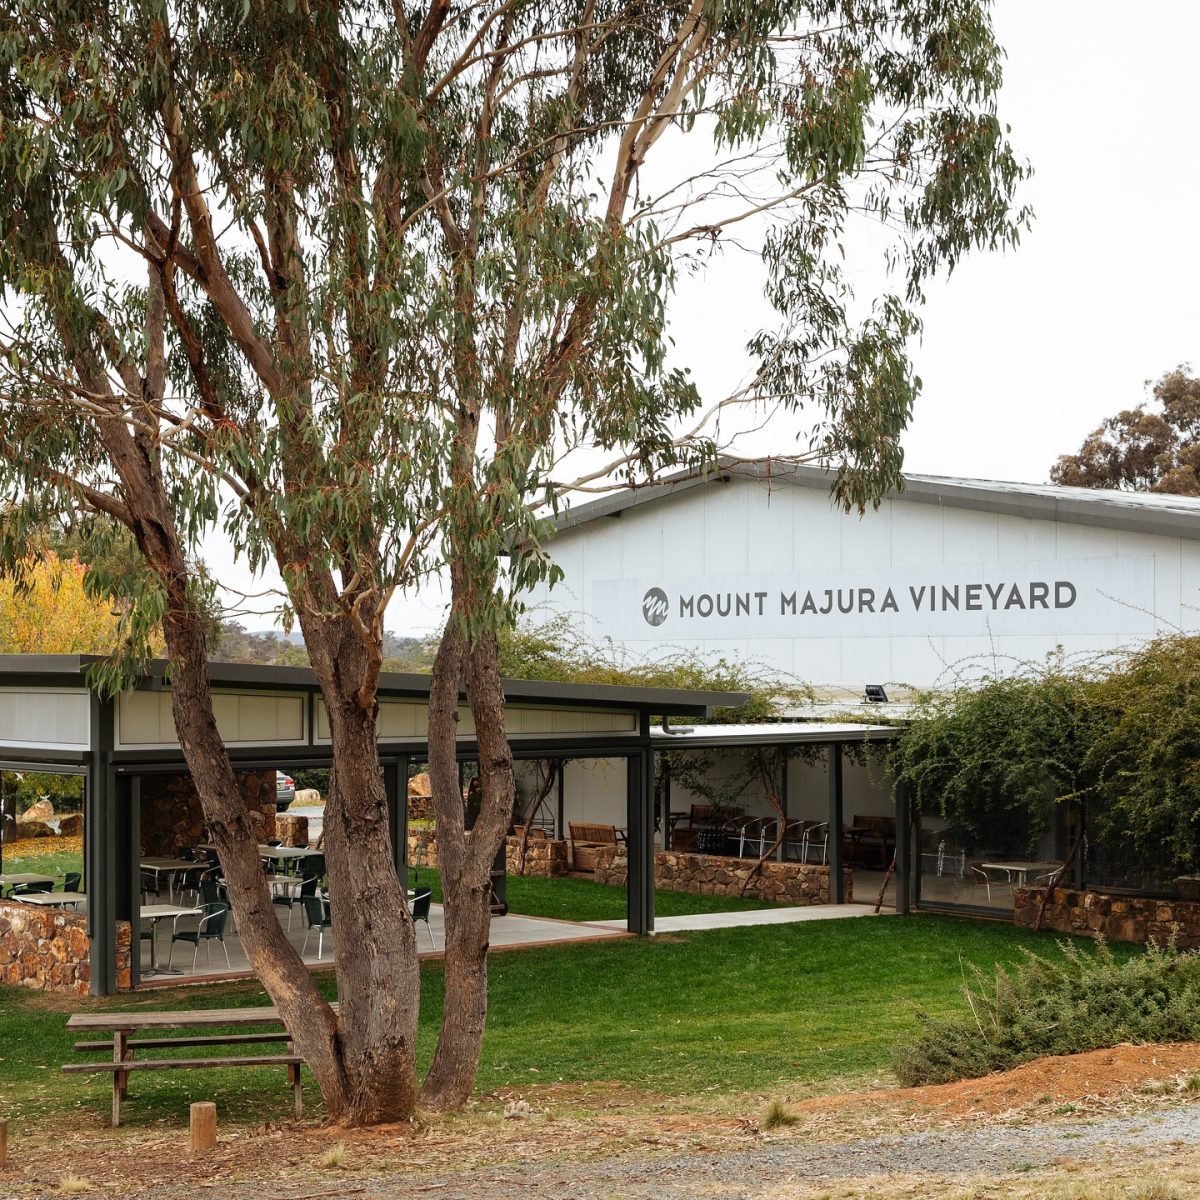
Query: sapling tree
{"points": [[349, 283]]}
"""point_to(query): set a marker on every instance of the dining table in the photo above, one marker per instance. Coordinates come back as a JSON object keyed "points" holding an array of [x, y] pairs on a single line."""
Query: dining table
{"points": [[1018, 871], [171, 868], [16, 878], [161, 912], [53, 899]]}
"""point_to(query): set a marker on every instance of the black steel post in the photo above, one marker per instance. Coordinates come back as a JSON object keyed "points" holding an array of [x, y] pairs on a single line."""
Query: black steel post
{"points": [[639, 837], [560, 827], [100, 850], [127, 807], [903, 849], [647, 831], [783, 804], [837, 881]]}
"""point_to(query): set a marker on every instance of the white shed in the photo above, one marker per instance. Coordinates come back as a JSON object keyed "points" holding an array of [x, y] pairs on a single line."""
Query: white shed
{"points": [[948, 577]]}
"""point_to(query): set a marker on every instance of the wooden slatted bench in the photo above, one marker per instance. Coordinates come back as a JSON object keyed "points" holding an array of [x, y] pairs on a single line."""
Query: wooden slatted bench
{"points": [[121, 1024]]}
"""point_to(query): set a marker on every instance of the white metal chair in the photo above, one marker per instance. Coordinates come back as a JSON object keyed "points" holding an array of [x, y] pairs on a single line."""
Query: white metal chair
{"points": [[984, 880], [815, 838], [758, 831]]}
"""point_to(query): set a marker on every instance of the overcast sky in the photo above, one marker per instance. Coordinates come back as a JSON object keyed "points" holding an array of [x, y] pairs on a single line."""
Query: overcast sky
{"points": [[1025, 352]]}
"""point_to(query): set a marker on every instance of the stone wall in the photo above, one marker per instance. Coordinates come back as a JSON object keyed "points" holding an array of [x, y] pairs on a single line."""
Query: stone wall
{"points": [[172, 819], [422, 848], [718, 875], [1118, 918], [49, 949], [543, 857]]}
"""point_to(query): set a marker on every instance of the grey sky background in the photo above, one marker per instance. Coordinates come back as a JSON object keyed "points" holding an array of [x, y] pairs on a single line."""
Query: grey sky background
{"points": [[1023, 352]]}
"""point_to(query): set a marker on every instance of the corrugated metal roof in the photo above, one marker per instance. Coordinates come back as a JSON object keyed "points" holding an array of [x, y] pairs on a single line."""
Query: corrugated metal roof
{"points": [[1135, 512]]}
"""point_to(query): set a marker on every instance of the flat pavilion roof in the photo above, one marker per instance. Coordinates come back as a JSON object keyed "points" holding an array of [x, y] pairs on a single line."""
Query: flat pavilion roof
{"points": [[70, 670], [783, 733]]}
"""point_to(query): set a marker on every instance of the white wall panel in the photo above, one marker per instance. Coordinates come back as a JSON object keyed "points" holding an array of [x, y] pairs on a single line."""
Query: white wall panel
{"points": [[48, 719], [770, 529], [1023, 539], [816, 532], [867, 539], [1189, 584], [725, 512], [144, 719], [916, 535], [401, 720], [1085, 541], [970, 537], [594, 791]]}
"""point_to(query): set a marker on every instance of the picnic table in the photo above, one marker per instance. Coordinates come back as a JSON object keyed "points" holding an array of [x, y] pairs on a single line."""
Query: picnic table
{"points": [[121, 1024]]}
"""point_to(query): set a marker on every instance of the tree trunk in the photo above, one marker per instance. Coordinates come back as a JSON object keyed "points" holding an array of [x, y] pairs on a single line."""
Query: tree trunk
{"points": [[466, 863], [377, 968], [304, 1012]]}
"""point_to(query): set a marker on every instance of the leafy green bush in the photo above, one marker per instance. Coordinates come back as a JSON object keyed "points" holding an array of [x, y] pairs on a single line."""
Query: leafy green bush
{"points": [[994, 756], [1086, 1001]]}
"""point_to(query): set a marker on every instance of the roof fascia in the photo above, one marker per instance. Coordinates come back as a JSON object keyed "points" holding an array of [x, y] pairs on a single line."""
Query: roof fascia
{"points": [[69, 670], [1101, 511]]}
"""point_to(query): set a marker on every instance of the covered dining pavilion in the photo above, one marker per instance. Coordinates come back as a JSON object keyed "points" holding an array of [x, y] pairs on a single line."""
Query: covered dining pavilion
{"points": [[53, 720]]}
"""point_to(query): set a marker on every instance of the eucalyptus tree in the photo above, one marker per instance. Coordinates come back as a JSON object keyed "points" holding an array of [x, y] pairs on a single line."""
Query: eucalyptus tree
{"points": [[346, 281]]}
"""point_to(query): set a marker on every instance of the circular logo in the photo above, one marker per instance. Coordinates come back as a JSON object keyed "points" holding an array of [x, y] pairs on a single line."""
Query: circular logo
{"points": [[655, 606]]}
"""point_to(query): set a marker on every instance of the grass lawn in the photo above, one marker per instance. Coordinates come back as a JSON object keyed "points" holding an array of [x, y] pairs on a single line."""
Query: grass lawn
{"points": [[766, 1009], [571, 899], [45, 856]]}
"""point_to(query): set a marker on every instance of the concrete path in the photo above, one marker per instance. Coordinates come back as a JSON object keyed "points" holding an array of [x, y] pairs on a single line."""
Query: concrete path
{"points": [[757, 916]]}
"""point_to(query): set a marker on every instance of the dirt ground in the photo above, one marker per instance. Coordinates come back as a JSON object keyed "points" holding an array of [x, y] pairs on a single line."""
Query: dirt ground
{"points": [[1112, 1123]]}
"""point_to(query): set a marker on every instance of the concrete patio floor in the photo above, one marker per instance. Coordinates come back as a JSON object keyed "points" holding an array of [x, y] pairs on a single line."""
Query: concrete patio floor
{"points": [[759, 916], [507, 933]]}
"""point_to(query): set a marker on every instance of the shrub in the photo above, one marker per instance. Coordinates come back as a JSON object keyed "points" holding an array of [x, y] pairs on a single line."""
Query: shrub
{"points": [[1086, 1001]]}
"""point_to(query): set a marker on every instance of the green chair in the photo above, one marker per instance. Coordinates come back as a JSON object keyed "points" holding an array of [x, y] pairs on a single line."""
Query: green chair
{"points": [[72, 880], [32, 889], [210, 929], [287, 899], [420, 912], [319, 918]]}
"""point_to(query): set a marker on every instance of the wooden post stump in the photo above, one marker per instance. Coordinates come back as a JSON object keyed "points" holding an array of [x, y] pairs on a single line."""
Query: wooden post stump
{"points": [[204, 1125], [3, 1141]]}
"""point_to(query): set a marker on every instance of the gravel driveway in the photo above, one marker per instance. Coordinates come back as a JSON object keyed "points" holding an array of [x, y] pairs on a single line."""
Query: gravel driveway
{"points": [[769, 1166]]}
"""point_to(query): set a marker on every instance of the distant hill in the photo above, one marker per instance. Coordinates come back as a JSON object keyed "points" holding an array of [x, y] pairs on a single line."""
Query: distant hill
{"points": [[273, 647]]}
